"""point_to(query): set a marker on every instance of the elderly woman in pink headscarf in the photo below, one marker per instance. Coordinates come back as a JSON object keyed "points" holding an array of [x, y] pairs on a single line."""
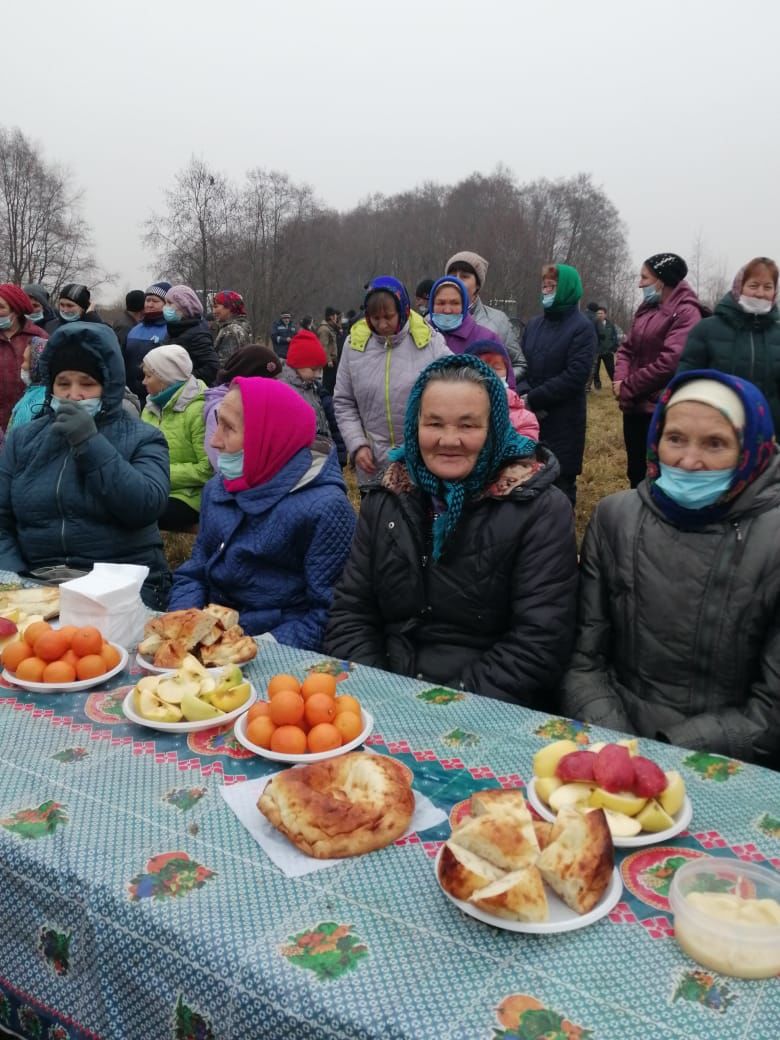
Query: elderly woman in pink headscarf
{"points": [[276, 525], [183, 313]]}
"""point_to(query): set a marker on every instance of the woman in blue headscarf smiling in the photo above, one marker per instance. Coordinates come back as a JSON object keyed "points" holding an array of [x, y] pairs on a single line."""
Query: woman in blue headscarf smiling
{"points": [[463, 566], [679, 626]]}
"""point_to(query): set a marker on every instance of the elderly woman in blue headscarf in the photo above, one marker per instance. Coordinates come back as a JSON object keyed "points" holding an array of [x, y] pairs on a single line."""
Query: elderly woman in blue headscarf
{"points": [[679, 614], [463, 568]]}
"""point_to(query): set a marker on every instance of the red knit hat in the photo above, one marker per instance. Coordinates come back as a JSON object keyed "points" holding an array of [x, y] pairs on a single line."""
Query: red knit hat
{"points": [[306, 351], [17, 299]]}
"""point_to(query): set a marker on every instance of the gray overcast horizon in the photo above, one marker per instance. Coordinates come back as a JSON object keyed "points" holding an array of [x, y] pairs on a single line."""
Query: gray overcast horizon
{"points": [[671, 106]]}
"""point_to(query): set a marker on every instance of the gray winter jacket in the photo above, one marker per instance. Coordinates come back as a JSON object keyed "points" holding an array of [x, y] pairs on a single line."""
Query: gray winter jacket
{"points": [[679, 631], [495, 319]]}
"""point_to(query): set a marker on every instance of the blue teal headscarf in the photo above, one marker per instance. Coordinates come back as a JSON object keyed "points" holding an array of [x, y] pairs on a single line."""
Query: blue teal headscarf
{"points": [[503, 445]]}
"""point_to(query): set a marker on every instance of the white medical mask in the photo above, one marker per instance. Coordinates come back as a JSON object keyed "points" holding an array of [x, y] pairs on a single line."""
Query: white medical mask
{"points": [[25, 377], [754, 305], [35, 316], [66, 316]]}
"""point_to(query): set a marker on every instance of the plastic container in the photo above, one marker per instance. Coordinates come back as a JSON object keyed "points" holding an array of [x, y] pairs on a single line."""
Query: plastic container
{"points": [[703, 929]]}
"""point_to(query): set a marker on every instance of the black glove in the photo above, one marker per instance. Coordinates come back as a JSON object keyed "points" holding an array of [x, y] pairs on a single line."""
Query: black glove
{"points": [[74, 423]]}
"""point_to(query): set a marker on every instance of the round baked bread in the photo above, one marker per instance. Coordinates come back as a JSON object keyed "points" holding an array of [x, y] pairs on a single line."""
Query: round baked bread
{"points": [[343, 806]]}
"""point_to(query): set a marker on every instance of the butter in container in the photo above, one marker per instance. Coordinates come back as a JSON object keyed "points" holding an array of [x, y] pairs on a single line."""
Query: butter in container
{"points": [[727, 916]]}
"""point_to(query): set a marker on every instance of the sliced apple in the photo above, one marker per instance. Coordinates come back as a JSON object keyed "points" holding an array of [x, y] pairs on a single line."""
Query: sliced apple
{"points": [[196, 710], [654, 818], [620, 825], [174, 688], [545, 785], [149, 682], [231, 699], [192, 666], [673, 795], [620, 802], [569, 795], [149, 706], [547, 758]]}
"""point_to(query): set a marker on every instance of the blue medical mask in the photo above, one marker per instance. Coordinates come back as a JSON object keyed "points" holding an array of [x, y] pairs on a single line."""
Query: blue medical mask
{"points": [[548, 299], [35, 316], [91, 405], [651, 293], [5, 323], [447, 322], [170, 314], [69, 317], [230, 464], [694, 489]]}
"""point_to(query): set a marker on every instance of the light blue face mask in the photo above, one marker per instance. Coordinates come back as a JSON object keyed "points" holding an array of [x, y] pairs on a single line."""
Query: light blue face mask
{"points": [[230, 464], [447, 322], [5, 323], [35, 316], [651, 294], [694, 489], [91, 405], [171, 314], [69, 317], [548, 299]]}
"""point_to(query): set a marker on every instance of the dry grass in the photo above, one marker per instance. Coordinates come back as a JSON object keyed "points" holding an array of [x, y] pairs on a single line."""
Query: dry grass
{"points": [[604, 472]]}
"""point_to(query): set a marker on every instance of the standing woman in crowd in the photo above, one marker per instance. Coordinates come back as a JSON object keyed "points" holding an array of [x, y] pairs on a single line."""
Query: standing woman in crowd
{"points": [[463, 569], [679, 614], [743, 335], [648, 357], [449, 313], [85, 483], [382, 357], [73, 305], [234, 330], [252, 360], [559, 346], [17, 334], [174, 404], [183, 313], [150, 332]]}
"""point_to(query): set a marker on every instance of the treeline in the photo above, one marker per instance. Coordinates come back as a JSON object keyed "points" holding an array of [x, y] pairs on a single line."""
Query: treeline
{"points": [[277, 244]]}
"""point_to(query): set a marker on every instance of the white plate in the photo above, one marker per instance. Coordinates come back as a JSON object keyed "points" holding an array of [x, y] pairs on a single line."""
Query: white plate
{"points": [[313, 756], [71, 687], [186, 727], [681, 820], [562, 918], [148, 666]]}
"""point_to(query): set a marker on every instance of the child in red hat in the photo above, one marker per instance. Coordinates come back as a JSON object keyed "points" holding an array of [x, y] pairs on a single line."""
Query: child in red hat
{"points": [[304, 364]]}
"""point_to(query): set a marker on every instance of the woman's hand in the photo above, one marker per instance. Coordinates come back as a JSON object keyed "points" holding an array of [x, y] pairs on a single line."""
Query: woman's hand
{"points": [[74, 423], [616, 388], [365, 459]]}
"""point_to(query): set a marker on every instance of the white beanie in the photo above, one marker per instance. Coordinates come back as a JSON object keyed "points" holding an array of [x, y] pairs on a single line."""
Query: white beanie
{"points": [[170, 363], [716, 395]]}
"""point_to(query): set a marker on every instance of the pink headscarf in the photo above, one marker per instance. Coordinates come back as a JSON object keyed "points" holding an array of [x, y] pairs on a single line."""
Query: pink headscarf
{"points": [[277, 424]]}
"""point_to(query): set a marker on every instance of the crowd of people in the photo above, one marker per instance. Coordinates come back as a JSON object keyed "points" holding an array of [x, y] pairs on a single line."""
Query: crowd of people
{"points": [[466, 439]]}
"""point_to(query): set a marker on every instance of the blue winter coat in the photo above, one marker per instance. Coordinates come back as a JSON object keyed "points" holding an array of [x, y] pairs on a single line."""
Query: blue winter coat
{"points": [[97, 502], [273, 552], [142, 338], [559, 349]]}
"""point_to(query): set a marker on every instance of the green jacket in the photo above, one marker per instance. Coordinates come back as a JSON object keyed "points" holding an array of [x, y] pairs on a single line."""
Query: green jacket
{"points": [[184, 427], [741, 344]]}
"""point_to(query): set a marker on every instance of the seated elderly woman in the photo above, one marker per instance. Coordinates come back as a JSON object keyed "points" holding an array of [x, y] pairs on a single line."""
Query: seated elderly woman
{"points": [[84, 482], [679, 637], [464, 567], [276, 524]]}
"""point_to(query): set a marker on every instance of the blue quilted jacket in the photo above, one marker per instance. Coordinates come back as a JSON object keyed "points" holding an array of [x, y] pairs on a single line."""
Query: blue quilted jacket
{"points": [[273, 552]]}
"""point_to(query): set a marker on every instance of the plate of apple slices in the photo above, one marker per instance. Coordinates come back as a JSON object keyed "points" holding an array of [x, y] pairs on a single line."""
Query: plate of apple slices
{"points": [[189, 698], [642, 803]]}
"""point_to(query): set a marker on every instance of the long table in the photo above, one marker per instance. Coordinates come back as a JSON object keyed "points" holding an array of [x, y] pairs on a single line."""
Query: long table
{"points": [[135, 906]]}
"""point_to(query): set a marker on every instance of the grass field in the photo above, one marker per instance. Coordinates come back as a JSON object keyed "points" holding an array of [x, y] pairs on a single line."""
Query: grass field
{"points": [[604, 471]]}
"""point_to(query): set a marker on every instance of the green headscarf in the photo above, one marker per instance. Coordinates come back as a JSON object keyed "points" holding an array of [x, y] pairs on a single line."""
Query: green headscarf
{"points": [[568, 292]]}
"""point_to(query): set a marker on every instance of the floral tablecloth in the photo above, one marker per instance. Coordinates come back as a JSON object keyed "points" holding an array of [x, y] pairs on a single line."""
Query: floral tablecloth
{"points": [[134, 905]]}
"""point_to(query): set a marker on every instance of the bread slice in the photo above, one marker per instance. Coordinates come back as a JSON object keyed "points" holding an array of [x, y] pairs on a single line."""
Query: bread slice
{"points": [[578, 862], [499, 839], [461, 873], [518, 896], [170, 653], [226, 616], [495, 801], [542, 830], [150, 645], [239, 651]]}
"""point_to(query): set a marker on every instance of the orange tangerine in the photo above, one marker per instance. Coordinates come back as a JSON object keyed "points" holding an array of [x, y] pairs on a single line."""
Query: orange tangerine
{"points": [[258, 709], [318, 682], [59, 672], [323, 737], [349, 725], [35, 631], [87, 641], [259, 730], [68, 631], [31, 669], [286, 708], [288, 740], [16, 652], [90, 666], [50, 646], [111, 656], [282, 682], [347, 703], [70, 658], [320, 708]]}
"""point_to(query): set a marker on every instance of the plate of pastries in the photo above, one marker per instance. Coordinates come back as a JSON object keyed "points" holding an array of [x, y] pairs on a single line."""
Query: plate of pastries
{"points": [[212, 635]]}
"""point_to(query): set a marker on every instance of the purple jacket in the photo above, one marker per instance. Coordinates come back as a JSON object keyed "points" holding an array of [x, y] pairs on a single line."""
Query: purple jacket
{"points": [[650, 353], [469, 332]]}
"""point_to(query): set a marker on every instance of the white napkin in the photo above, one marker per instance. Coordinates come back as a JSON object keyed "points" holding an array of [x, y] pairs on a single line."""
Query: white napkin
{"points": [[109, 597], [242, 799]]}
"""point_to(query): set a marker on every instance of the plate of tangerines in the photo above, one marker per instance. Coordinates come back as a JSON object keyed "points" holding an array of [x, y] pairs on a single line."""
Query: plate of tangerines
{"points": [[61, 660], [303, 720]]}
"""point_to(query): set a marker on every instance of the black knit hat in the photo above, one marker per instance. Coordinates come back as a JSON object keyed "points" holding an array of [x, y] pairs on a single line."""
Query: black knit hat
{"points": [[668, 267], [76, 293], [71, 357], [134, 301]]}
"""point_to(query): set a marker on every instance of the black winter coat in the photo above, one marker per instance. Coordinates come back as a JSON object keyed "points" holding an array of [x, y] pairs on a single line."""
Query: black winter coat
{"points": [[494, 615], [679, 631], [559, 349], [195, 336]]}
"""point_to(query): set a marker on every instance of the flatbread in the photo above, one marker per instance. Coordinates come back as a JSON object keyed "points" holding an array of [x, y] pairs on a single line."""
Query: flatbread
{"points": [[43, 600]]}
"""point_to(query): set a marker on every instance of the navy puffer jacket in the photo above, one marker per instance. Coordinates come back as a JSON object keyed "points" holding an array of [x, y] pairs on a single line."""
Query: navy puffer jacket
{"points": [[97, 502]]}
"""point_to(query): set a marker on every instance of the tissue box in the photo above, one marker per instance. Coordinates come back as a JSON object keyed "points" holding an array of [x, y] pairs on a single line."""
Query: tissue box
{"points": [[109, 597]]}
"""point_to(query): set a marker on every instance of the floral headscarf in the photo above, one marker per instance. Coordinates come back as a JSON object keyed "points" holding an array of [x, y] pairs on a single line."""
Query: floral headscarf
{"points": [[232, 300], [757, 451]]}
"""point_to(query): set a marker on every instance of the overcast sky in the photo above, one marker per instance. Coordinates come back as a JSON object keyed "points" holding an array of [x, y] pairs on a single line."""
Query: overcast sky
{"points": [[671, 106]]}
